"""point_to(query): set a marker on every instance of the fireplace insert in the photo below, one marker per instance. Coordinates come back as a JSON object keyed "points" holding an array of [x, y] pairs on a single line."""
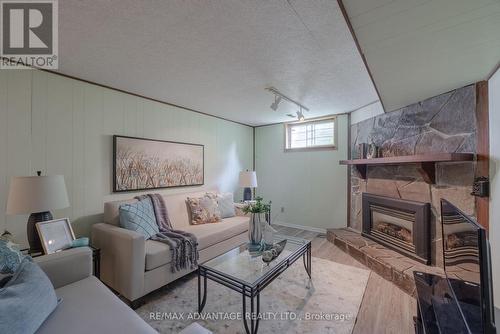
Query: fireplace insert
{"points": [[401, 225]]}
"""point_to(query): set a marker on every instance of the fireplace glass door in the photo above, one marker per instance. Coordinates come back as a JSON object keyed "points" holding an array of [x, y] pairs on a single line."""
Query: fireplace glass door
{"points": [[393, 226], [398, 224]]}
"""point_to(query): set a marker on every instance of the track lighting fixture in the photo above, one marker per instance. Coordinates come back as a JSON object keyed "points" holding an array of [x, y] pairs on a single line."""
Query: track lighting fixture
{"points": [[278, 97], [277, 100], [300, 115]]}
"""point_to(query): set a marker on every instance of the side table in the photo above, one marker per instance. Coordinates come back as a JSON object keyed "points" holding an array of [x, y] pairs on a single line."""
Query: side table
{"points": [[96, 258]]}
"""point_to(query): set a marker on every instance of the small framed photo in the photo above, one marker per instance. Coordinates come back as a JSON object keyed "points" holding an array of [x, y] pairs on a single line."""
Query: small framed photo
{"points": [[55, 235]]}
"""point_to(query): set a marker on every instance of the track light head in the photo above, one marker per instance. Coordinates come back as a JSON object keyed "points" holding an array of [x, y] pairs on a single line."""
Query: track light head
{"points": [[300, 116], [277, 100], [278, 97]]}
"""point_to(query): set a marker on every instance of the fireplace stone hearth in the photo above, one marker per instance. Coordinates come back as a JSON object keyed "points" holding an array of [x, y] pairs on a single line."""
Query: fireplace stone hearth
{"points": [[391, 265]]}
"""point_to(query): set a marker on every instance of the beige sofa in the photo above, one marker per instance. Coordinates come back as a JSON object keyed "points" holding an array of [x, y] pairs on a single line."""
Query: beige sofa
{"points": [[134, 267]]}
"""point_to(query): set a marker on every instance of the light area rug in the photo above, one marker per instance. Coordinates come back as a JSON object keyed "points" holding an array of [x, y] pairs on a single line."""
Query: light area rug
{"points": [[329, 303]]}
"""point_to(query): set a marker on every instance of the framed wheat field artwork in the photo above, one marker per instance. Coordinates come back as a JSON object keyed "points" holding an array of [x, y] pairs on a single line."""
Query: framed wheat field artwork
{"points": [[143, 164]]}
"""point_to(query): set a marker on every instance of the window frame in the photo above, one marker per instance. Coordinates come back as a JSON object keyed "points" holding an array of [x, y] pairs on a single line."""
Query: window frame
{"points": [[289, 125]]}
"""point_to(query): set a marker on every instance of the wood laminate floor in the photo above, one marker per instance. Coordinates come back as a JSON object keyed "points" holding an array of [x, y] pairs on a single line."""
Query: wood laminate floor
{"points": [[384, 309]]}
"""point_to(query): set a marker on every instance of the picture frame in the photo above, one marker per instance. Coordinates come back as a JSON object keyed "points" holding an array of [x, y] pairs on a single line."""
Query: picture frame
{"points": [[55, 235], [144, 164]]}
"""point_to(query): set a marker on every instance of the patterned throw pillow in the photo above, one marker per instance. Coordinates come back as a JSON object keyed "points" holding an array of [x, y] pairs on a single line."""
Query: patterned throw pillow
{"points": [[204, 210], [139, 217], [10, 257]]}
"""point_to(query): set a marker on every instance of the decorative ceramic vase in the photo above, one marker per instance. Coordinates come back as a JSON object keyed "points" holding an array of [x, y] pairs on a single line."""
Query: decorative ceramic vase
{"points": [[255, 228], [373, 151]]}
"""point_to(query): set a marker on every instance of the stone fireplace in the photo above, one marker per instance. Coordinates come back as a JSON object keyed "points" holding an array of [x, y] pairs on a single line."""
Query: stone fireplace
{"points": [[398, 224], [442, 124]]}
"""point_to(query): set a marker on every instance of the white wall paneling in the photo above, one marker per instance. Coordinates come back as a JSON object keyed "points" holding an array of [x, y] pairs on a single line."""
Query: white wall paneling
{"points": [[3, 146], [311, 186], [16, 138], [64, 126]]}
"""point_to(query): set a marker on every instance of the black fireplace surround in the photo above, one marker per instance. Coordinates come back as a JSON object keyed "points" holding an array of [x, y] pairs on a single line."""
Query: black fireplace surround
{"points": [[398, 224]]}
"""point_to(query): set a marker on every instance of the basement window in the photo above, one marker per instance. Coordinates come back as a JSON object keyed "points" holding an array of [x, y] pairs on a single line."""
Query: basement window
{"points": [[311, 135]]}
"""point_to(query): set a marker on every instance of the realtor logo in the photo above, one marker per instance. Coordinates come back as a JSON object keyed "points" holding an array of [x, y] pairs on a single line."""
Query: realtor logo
{"points": [[29, 34]]}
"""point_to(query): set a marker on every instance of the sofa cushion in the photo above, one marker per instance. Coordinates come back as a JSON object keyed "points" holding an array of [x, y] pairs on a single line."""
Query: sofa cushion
{"points": [[90, 307], [211, 234], [158, 253], [139, 217], [27, 299], [176, 206]]}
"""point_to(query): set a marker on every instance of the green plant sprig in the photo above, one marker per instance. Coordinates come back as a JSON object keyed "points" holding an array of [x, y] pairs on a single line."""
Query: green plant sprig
{"points": [[257, 207]]}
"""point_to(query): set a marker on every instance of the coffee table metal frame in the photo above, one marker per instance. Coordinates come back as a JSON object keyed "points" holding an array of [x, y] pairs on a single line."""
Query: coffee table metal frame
{"points": [[251, 291]]}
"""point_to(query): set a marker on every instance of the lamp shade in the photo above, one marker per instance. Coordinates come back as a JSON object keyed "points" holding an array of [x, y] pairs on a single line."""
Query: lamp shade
{"points": [[248, 179], [30, 194]]}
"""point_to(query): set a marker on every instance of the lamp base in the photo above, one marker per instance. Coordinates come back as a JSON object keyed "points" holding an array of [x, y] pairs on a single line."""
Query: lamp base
{"points": [[33, 237], [247, 194]]}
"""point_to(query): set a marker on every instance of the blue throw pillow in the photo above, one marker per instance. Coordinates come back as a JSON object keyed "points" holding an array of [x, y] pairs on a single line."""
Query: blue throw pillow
{"points": [[10, 257], [4, 278], [139, 217], [27, 299], [226, 205]]}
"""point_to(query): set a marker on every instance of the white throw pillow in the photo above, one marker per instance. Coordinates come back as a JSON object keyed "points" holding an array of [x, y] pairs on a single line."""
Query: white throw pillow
{"points": [[226, 205]]}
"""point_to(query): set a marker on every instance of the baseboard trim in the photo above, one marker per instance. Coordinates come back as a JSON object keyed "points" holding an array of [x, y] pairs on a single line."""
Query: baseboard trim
{"points": [[302, 227]]}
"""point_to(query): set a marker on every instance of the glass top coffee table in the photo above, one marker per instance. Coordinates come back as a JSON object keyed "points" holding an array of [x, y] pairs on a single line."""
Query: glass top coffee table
{"points": [[246, 273]]}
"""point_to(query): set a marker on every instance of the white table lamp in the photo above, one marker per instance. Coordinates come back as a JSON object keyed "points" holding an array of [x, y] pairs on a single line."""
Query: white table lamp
{"points": [[36, 195], [248, 180]]}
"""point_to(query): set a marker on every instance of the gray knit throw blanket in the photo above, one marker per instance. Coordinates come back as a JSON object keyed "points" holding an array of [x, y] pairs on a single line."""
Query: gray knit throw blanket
{"points": [[183, 245]]}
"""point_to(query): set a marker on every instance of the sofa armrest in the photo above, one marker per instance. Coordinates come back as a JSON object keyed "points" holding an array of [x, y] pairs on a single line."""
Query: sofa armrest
{"points": [[66, 266], [123, 258]]}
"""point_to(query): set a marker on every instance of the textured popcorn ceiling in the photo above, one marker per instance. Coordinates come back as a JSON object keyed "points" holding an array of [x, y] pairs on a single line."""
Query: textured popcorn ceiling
{"points": [[218, 56], [420, 48]]}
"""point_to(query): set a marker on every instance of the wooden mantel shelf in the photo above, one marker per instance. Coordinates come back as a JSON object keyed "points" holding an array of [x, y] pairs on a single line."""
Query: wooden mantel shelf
{"points": [[426, 161]]}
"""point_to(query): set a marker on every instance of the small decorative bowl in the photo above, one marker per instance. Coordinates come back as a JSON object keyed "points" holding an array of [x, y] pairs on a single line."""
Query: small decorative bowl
{"points": [[274, 252]]}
